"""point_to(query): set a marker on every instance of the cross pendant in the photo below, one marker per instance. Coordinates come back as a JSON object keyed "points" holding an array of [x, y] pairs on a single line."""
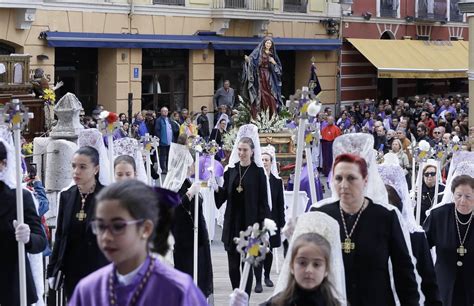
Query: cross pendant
{"points": [[348, 245], [81, 215], [461, 250], [239, 189]]}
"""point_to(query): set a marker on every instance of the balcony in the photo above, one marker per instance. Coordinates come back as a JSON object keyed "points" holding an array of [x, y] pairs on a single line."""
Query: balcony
{"points": [[251, 5], [170, 2], [295, 6], [432, 10], [389, 8]]}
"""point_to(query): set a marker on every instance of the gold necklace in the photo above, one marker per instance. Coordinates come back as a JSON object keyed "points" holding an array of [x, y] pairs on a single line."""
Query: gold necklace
{"points": [[462, 249], [81, 215], [240, 188], [348, 245]]}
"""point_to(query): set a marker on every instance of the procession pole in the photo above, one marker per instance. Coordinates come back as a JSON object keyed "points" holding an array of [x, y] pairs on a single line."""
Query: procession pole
{"points": [[196, 219], [309, 167], [110, 152], [16, 125], [419, 189], [299, 161]]}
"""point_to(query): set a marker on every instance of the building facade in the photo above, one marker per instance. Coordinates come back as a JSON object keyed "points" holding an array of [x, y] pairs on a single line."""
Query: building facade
{"points": [[377, 69], [173, 53]]}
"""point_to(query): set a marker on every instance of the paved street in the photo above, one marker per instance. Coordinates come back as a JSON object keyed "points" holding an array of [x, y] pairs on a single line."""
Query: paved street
{"points": [[222, 287]]}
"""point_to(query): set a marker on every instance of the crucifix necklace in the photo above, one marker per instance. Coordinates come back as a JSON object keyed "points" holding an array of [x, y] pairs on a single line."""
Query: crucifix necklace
{"points": [[81, 215], [240, 188], [348, 245], [462, 249]]}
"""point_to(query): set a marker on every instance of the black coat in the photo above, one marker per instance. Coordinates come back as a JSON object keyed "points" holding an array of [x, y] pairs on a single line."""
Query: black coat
{"points": [[183, 232], [91, 258], [378, 237], [425, 268], [278, 209], [255, 194], [9, 276], [441, 231]]}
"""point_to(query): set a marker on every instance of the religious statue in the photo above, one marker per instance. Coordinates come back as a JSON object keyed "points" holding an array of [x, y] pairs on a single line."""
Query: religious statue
{"points": [[262, 78]]}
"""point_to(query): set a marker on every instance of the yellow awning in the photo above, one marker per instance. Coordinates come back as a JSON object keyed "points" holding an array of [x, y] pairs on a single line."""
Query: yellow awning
{"points": [[415, 59]]}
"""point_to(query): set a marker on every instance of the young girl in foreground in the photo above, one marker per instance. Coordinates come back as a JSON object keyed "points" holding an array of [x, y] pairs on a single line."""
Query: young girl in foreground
{"points": [[308, 282], [124, 222]]}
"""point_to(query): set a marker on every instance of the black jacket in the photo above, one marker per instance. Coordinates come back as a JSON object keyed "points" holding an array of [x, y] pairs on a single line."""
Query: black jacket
{"points": [[91, 259], [378, 237], [256, 201], [9, 275], [441, 232]]}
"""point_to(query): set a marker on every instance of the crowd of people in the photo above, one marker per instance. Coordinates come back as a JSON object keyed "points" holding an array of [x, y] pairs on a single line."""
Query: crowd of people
{"points": [[125, 242]]}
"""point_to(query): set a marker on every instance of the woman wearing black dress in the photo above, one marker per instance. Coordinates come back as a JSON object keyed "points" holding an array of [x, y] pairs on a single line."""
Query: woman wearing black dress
{"points": [[30, 233], [371, 235], [180, 165], [277, 211], [245, 190], [75, 252], [449, 229]]}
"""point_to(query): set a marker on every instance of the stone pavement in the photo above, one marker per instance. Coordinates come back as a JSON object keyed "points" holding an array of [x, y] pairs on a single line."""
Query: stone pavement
{"points": [[222, 286]]}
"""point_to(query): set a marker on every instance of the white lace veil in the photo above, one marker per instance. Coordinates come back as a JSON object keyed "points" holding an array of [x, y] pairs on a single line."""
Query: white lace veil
{"points": [[360, 144], [93, 138], [250, 131], [222, 117], [462, 163], [393, 175], [324, 225], [8, 175], [179, 161], [129, 146], [269, 149]]}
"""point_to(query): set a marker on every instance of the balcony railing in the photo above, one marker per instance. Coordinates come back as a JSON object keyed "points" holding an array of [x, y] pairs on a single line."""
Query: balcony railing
{"points": [[295, 6], [170, 2], [389, 8], [252, 5], [434, 10]]}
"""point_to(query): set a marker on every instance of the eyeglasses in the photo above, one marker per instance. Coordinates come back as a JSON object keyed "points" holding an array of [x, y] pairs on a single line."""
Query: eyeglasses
{"points": [[116, 227], [428, 174], [436, 132], [459, 196]]}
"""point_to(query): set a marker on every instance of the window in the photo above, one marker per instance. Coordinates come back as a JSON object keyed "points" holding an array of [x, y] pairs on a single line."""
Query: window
{"points": [[454, 12], [389, 8], [432, 9], [295, 6], [170, 2]]}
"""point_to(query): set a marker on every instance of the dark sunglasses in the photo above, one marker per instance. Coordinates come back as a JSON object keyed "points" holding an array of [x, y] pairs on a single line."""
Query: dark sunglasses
{"points": [[116, 227], [428, 174]]}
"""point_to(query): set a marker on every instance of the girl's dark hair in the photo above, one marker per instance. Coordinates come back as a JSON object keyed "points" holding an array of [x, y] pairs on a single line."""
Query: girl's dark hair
{"points": [[90, 152], [462, 180], [271, 157], [3, 151], [248, 141], [394, 198], [326, 287], [126, 159], [137, 198]]}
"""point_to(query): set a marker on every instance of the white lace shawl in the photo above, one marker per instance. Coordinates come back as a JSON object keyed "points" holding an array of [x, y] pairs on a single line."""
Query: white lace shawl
{"points": [[326, 226], [8, 175], [393, 175], [94, 138], [129, 146], [179, 161], [250, 131]]}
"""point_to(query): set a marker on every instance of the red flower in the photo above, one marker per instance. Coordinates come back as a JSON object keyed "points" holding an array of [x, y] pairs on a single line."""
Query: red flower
{"points": [[112, 117]]}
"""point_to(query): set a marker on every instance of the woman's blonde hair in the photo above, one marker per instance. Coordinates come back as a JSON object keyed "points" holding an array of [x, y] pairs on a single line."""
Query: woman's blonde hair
{"points": [[326, 286]]}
